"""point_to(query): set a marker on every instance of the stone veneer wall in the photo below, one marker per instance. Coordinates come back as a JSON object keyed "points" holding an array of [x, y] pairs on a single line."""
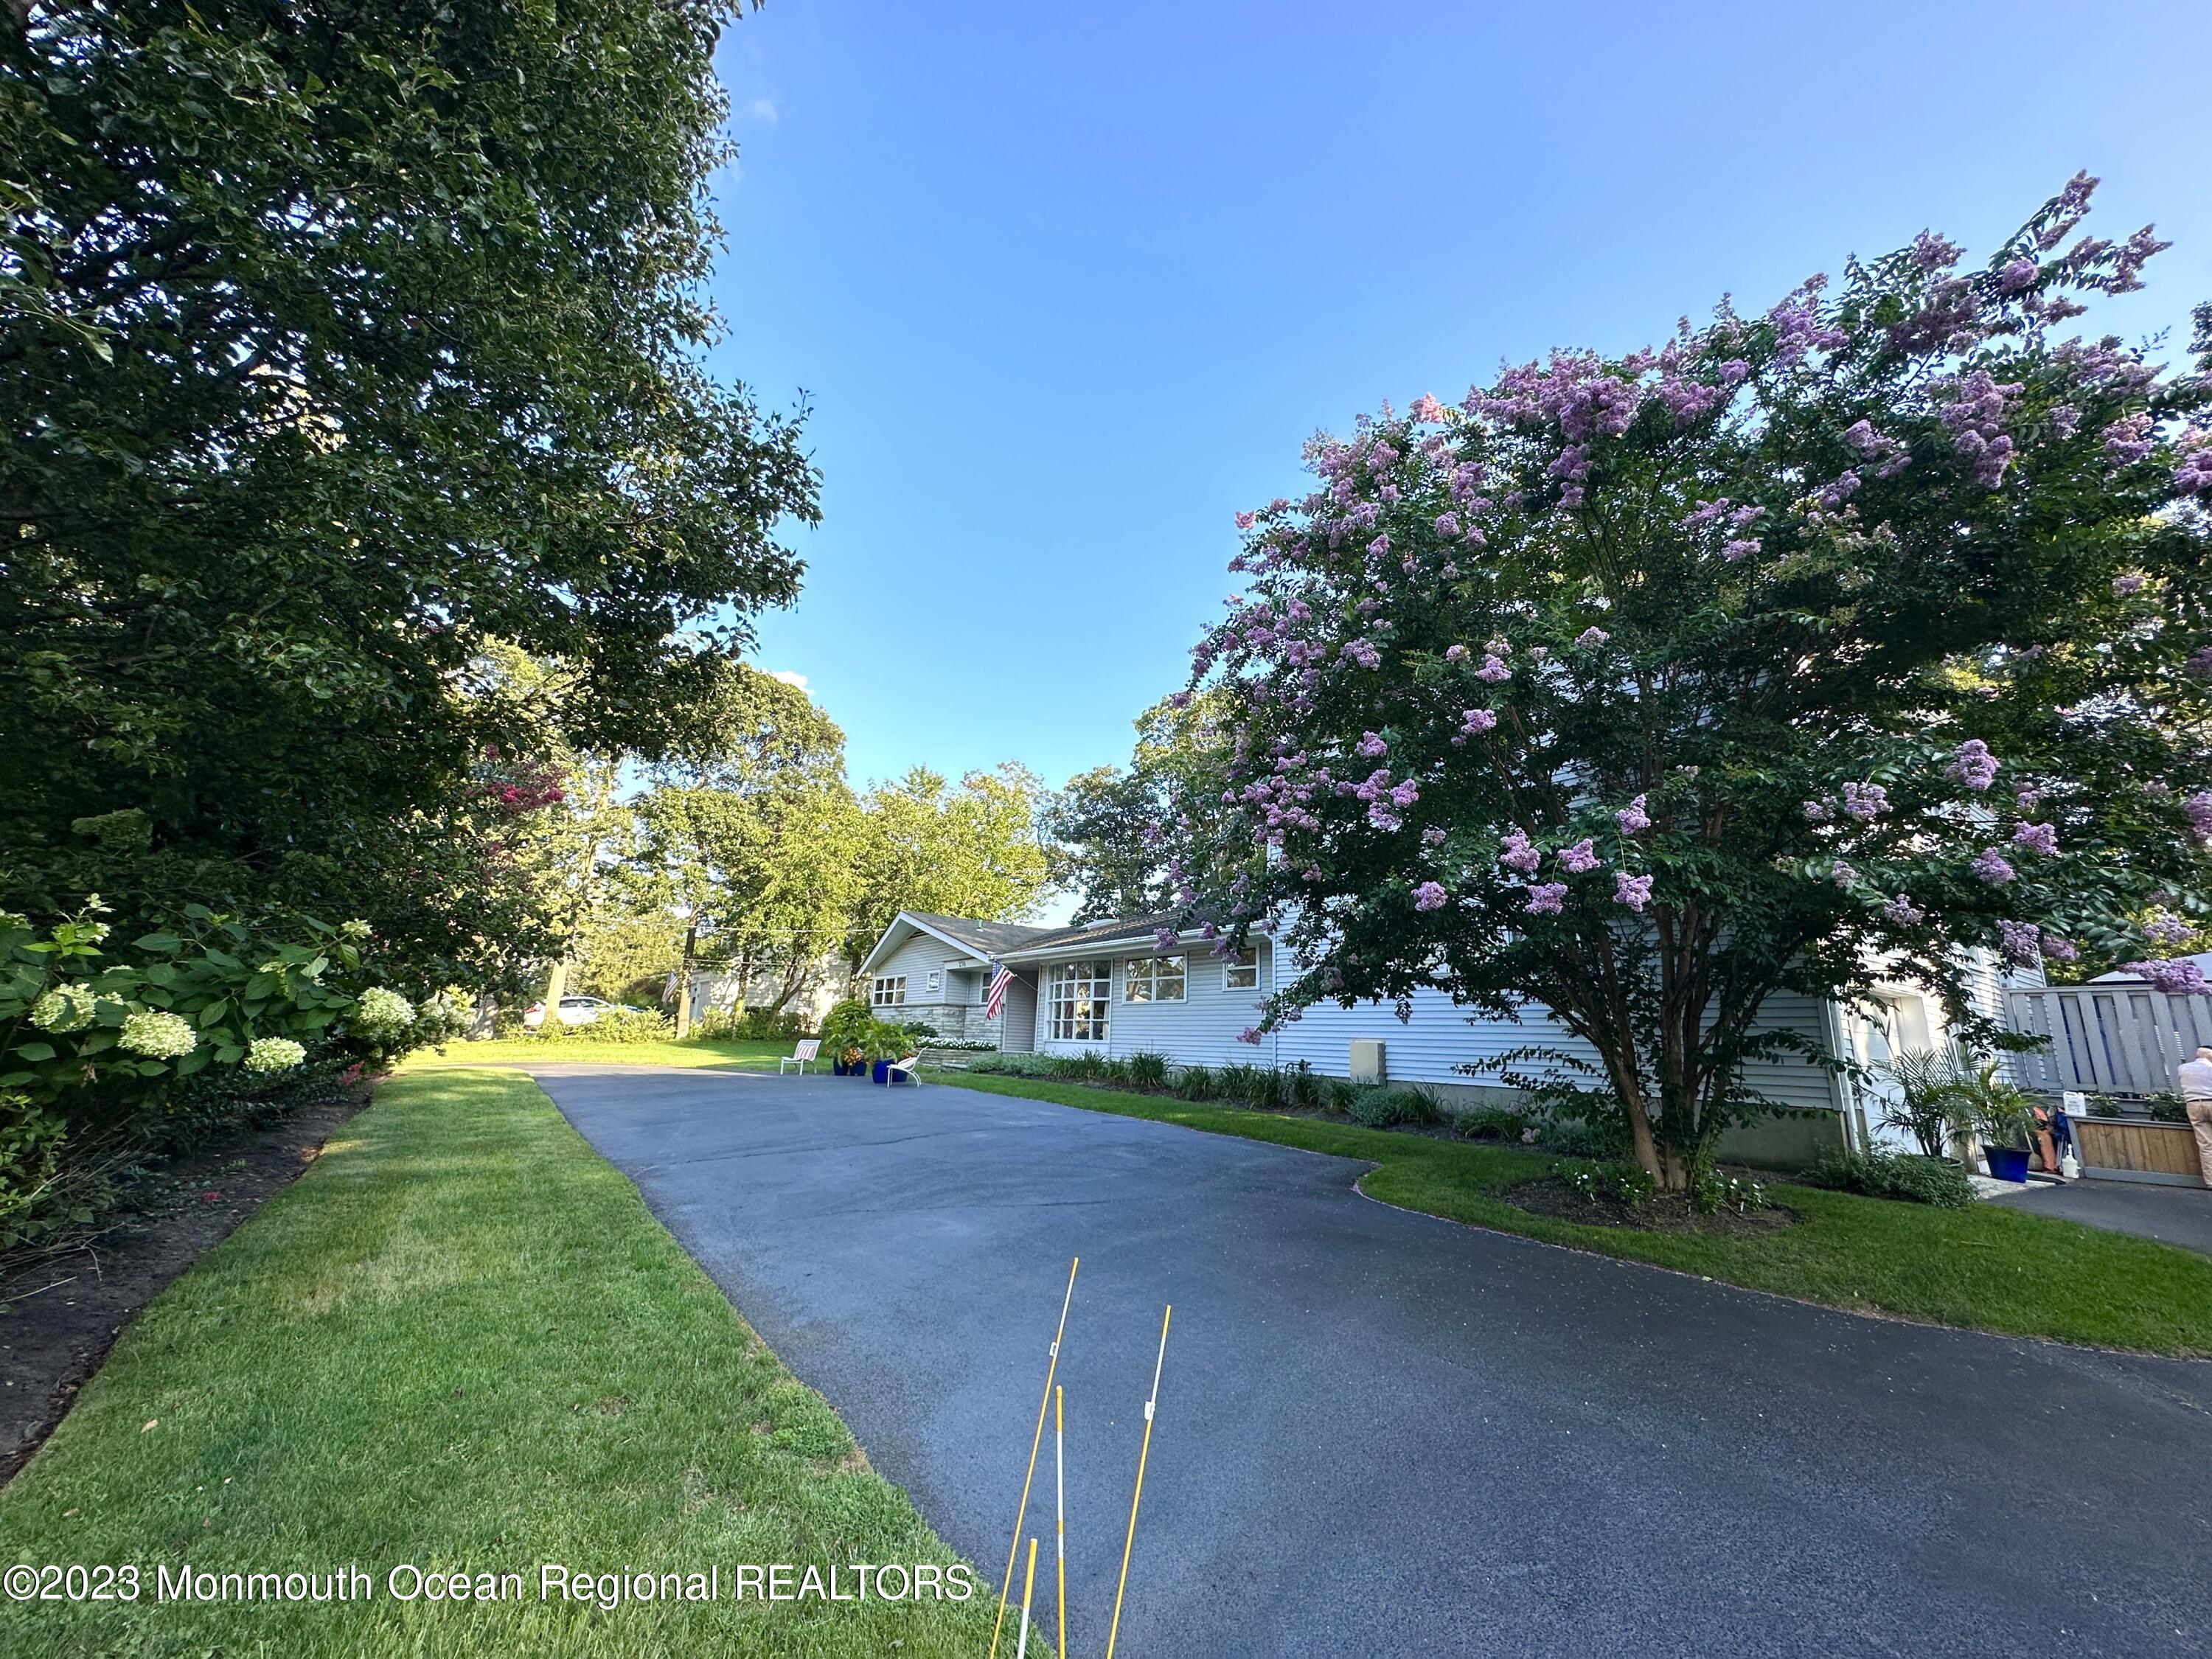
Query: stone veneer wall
{"points": [[956, 1022]]}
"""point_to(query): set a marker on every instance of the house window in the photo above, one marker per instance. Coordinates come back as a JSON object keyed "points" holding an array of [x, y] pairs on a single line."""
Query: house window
{"points": [[934, 980], [1153, 979], [890, 991], [1241, 972], [1079, 994]]}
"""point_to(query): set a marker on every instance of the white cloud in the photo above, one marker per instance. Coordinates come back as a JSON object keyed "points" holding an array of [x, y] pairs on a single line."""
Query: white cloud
{"points": [[760, 109], [796, 682]]}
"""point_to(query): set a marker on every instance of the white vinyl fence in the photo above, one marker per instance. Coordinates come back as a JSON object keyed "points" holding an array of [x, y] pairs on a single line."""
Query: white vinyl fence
{"points": [[2116, 1037]]}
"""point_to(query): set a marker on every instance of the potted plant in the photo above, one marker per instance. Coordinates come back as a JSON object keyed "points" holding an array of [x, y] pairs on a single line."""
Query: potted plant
{"points": [[884, 1042], [843, 1029], [2000, 1118]]}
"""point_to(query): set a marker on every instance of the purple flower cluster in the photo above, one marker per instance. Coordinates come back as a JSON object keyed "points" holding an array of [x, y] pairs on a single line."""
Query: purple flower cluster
{"points": [[1976, 418], [1742, 547], [2164, 929], [2124, 585], [2177, 975], [2128, 440], [1520, 853], [2020, 941], [1973, 764], [1428, 895], [1902, 912], [1545, 897], [2037, 838], [1989, 864], [2060, 949], [1591, 638], [1473, 722], [1581, 858], [1493, 670], [1371, 745], [1843, 874], [2199, 808], [2194, 476], [1632, 819], [1865, 801], [1634, 892]]}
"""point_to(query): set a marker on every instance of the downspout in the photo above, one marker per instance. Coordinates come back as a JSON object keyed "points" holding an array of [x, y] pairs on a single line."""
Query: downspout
{"points": [[1274, 1037], [1840, 1085]]}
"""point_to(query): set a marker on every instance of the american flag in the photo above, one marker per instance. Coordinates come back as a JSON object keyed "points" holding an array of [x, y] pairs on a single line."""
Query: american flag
{"points": [[995, 998]]}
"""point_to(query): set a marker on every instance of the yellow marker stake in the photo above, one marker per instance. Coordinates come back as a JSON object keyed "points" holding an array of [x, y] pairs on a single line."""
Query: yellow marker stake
{"points": [[1036, 1440], [1143, 1452], [1060, 1519], [1029, 1583]]}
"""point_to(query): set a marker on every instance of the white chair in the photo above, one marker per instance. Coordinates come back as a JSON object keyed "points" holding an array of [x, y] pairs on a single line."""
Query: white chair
{"points": [[803, 1056], [908, 1068]]}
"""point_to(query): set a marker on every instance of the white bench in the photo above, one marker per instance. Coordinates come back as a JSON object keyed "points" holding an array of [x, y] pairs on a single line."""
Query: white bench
{"points": [[803, 1056]]}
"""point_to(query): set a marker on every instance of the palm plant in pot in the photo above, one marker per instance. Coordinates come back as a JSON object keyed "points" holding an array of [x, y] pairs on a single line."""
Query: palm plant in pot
{"points": [[1998, 1111]]}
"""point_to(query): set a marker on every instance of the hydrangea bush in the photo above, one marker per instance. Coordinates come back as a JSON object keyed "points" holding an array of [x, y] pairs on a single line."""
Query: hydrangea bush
{"points": [[77, 1014], [1838, 641]]}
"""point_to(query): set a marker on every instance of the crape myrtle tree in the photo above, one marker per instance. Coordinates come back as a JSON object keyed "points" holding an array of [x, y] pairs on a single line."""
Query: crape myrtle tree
{"points": [[1841, 641]]}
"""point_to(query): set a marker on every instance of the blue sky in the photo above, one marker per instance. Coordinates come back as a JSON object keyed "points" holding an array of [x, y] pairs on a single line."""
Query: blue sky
{"points": [[1067, 287]]}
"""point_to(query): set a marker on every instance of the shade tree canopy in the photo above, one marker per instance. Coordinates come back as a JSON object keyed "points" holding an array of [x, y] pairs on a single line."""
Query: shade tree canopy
{"points": [[342, 341], [1836, 641]]}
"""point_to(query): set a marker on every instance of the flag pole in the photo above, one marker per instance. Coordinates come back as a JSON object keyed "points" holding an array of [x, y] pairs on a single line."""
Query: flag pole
{"points": [[1059, 1517], [1143, 1452], [1036, 1440]]}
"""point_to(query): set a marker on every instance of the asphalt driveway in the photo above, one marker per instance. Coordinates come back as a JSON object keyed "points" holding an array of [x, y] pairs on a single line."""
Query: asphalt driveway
{"points": [[1383, 1434]]}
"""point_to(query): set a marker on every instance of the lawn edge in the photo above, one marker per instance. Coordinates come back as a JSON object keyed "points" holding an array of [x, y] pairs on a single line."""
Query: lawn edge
{"points": [[1009, 1083]]}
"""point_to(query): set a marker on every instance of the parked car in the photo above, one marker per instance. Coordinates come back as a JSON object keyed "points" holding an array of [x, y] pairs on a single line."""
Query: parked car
{"points": [[576, 1011]]}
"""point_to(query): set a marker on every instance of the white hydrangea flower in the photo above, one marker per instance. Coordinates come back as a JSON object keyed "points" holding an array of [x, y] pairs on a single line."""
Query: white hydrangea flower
{"points": [[157, 1035], [381, 1013], [273, 1054], [64, 1008]]}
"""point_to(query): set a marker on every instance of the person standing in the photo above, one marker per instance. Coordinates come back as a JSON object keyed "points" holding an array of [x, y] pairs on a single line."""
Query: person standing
{"points": [[2197, 1099]]}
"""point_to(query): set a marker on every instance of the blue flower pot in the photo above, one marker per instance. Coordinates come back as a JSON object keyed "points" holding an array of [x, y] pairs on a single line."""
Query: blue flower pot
{"points": [[2006, 1163], [883, 1075]]}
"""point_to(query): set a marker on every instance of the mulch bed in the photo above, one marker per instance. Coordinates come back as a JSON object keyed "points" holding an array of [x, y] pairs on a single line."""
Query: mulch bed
{"points": [[59, 1318], [1665, 1212]]}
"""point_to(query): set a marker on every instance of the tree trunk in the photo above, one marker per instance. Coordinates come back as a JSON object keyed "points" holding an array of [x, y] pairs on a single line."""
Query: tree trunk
{"points": [[556, 986], [793, 976], [683, 979]]}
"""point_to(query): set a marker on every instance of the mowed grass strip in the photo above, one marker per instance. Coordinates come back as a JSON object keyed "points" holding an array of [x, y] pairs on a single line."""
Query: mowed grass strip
{"points": [[460, 1341], [1990, 1267], [718, 1054]]}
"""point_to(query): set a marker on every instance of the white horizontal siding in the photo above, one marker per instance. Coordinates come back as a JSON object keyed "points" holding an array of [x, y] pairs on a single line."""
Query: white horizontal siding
{"points": [[1201, 1029], [918, 958]]}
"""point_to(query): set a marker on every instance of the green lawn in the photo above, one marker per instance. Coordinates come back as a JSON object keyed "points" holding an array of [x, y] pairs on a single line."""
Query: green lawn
{"points": [[713, 1053], [460, 1340], [1989, 1267]]}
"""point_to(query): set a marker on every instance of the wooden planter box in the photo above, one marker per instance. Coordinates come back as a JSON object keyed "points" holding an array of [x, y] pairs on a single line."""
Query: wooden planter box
{"points": [[2136, 1149]]}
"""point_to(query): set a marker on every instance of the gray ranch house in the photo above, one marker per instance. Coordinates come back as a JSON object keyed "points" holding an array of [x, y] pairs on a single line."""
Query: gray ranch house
{"points": [[1113, 988]]}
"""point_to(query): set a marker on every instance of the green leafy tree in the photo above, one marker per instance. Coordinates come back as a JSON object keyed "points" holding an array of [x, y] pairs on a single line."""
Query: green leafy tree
{"points": [[342, 340], [971, 851], [1112, 831], [1836, 644], [726, 837]]}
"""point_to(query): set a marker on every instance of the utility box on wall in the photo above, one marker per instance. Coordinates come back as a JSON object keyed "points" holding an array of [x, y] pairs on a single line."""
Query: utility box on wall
{"points": [[1367, 1061]]}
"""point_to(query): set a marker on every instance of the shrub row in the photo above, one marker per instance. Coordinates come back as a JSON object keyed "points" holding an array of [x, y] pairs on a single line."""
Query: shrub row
{"points": [[1906, 1175]]}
